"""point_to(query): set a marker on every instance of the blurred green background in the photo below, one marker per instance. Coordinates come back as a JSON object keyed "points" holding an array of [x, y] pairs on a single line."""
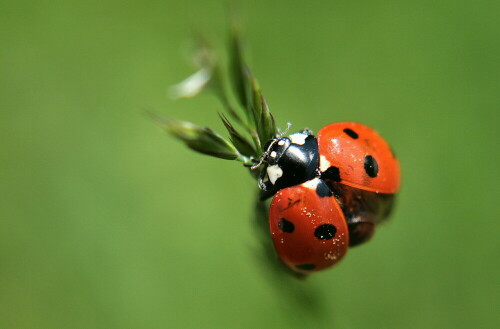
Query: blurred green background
{"points": [[106, 222]]}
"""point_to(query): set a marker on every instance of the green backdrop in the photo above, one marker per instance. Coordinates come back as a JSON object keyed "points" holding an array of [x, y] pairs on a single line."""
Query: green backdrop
{"points": [[106, 222]]}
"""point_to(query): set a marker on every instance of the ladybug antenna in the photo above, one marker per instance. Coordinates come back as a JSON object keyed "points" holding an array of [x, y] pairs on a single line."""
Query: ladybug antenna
{"points": [[266, 152], [262, 157], [288, 125]]}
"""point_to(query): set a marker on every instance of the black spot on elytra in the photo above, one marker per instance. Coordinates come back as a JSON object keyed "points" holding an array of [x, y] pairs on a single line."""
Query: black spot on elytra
{"points": [[323, 190], [332, 173], [371, 166], [325, 231], [305, 267], [351, 133], [286, 226]]}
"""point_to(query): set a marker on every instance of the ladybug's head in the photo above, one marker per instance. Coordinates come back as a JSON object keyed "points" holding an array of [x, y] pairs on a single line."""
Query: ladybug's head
{"points": [[288, 161], [275, 149]]}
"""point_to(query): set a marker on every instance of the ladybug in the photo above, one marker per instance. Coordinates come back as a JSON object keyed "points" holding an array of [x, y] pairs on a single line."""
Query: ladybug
{"points": [[328, 192]]}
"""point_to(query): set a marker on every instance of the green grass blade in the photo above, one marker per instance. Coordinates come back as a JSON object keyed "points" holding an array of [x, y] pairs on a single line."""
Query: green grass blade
{"points": [[201, 139], [238, 140]]}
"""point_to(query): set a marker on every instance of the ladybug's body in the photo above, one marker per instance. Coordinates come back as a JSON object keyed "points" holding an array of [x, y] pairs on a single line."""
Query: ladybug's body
{"points": [[308, 227], [362, 157], [330, 192]]}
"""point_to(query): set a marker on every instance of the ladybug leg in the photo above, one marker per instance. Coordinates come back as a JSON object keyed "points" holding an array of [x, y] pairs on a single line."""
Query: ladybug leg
{"points": [[267, 189], [262, 184]]}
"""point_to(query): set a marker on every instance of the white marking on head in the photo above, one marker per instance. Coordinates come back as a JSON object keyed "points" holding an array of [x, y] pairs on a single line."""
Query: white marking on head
{"points": [[298, 138], [324, 164], [274, 172], [311, 184], [273, 154], [281, 142]]}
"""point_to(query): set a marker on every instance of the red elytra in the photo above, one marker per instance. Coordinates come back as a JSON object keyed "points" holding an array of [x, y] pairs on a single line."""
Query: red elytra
{"points": [[308, 227], [363, 157]]}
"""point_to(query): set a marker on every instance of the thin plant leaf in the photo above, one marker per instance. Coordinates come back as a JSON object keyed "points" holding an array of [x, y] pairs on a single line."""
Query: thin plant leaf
{"points": [[219, 88], [200, 139], [261, 122], [257, 110], [242, 85], [264, 120], [267, 122], [207, 59], [237, 68], [209, 77], [192, 85], [238, 140]]}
